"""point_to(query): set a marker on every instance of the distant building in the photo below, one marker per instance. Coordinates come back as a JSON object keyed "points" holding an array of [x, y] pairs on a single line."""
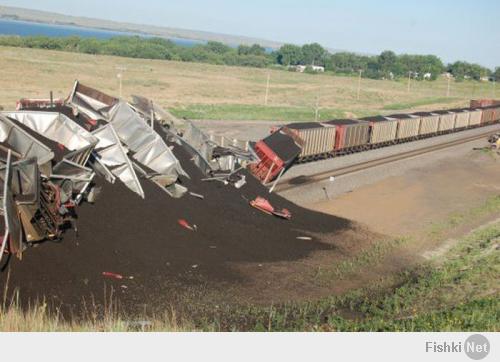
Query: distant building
{"points": [[299, 68], [318, 68], [302, 68]]}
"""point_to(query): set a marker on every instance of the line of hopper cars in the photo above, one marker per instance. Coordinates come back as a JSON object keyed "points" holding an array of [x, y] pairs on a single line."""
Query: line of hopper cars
{"points": [[303, 142]]}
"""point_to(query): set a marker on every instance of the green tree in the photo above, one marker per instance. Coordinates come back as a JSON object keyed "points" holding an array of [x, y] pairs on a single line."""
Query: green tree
{"points": [[218, 47], [387, 63], [496, 74], [255, 49], [313, 54], [289, 54]]}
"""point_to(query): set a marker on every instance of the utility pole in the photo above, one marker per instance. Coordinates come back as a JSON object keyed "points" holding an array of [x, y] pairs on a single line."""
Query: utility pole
{"points": [[120, 77], [359, 84], [409, 81], [267, 88], [448, 88], [316, 112], [494, 89], [152, 115]]}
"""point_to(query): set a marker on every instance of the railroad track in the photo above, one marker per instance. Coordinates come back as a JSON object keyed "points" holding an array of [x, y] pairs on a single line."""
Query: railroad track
{"points": [[300, 181]]}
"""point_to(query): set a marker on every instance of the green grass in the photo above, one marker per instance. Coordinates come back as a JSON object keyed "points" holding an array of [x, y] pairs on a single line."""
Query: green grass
{"points": [[419, 103], [491, 206], [241, 112]]}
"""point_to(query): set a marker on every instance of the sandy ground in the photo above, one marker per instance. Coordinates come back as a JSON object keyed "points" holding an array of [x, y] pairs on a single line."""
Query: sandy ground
{"points": [[412, 203]]}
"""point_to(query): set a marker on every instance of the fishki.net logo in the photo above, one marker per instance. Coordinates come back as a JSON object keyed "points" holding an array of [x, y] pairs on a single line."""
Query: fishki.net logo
{"points": [[476, 347]]}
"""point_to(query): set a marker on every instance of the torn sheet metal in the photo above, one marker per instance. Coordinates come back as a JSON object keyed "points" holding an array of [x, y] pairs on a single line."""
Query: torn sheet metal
{"points": [[55, 126], [25, 145], [11, 214], [147, 107], [112, 154], [148, 147], [198, 140], [25, 182], [100, 168], [79, 175], [89, 101], [25, 186], [199, 159], [80, 156]]}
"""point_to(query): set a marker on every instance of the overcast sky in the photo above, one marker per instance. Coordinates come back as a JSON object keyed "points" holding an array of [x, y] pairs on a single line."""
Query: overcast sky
{"points": [[454, 30]]}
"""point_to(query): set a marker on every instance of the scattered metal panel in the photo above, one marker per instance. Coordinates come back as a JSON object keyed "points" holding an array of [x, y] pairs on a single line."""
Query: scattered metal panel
{"points": [[199, 159], [55, 126], [90, 101], [147, 145], [79, 175], [198, 140], [80, 156], [25, 145], [110, 152], [11, 214], [25, 180], [101, 169], [26, 191]]}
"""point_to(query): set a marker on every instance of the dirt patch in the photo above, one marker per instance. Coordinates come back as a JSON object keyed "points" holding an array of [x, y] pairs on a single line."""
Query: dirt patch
{"points": [[427, 208], [413, 203]]}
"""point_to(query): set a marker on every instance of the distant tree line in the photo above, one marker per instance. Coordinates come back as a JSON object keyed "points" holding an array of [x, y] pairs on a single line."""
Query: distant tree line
{"points": [[387, 65], [148, 48]]}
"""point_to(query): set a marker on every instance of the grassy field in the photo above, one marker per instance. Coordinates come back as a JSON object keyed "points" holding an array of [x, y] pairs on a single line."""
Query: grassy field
{"points": [[202, 91]]}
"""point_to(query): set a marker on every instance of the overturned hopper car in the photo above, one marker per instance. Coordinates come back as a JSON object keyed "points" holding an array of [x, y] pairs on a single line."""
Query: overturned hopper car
{"points": [[276, 153]]}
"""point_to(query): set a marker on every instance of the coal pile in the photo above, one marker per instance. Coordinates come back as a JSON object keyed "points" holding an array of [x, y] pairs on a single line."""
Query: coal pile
{"points": [[141, 253]]}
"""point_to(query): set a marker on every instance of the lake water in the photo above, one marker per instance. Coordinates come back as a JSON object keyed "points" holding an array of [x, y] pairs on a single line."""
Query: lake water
{"points": [[26, 28]]}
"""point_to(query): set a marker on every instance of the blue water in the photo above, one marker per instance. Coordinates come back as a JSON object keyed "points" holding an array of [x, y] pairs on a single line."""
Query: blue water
{"points": [[26, 28]]}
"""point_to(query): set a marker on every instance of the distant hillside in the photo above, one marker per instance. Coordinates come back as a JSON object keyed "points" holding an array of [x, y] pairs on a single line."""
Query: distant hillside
{"points": [[167, 32]]}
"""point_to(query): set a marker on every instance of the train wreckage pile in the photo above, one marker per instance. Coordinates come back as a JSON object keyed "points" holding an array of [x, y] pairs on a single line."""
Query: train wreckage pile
{"points": [[126, 191], [49, 160]]}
